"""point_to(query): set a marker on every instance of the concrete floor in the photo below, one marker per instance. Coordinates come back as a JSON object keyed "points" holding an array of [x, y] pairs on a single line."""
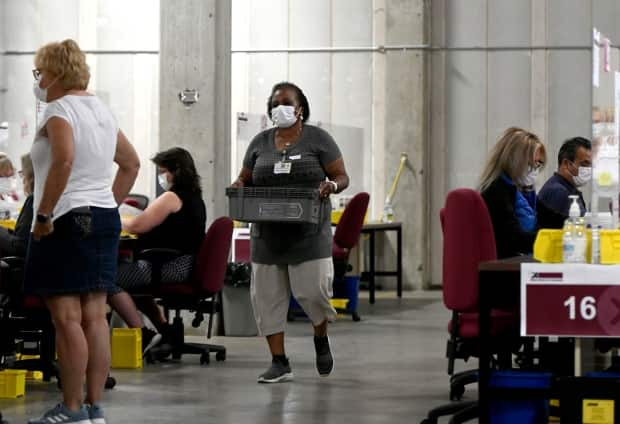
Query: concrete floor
{"points": [[390, 368]]}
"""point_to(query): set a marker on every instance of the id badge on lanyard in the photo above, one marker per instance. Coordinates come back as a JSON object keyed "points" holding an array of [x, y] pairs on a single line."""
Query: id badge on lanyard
{"points": [[283, 166]]}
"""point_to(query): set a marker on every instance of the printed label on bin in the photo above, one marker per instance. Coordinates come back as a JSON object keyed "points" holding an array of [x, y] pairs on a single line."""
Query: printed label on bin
{"points": [[280, 211], [597, 411]]}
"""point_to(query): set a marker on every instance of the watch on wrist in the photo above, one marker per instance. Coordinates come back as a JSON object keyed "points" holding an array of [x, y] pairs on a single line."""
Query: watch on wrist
{"points": [[42, 218]]}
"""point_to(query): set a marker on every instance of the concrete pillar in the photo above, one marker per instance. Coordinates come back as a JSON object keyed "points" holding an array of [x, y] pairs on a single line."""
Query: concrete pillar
{"points": [[403, 122], [195, 54]]}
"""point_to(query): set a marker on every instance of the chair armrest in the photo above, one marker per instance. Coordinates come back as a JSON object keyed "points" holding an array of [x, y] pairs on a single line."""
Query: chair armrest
{"points": [[12, 261]]}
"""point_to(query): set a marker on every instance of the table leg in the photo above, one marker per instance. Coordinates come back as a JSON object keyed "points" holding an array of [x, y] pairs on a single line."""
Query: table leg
{"points": [[371, 273], [399, 262], [484, 362], [577, 357]]}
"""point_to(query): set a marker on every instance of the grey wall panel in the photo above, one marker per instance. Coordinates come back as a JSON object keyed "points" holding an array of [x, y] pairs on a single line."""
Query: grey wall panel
{"points": [[466, 23], [509, 23], [606, 18], [509, 92], [314, 80], [466, 117], [351, 23], [570, 97], [569, 22], [301, 12], [396, 32]]}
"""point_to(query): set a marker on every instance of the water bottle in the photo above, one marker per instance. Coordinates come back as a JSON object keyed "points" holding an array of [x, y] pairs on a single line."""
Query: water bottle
{"points": [[596, 245], [574, 235], [388, 212]]}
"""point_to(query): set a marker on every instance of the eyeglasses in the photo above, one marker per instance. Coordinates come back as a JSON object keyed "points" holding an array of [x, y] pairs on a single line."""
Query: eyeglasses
{"points": [[36, 73]]}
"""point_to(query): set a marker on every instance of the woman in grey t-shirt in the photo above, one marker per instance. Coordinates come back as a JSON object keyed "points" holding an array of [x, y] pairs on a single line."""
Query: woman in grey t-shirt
{"points": [[293, 257]]}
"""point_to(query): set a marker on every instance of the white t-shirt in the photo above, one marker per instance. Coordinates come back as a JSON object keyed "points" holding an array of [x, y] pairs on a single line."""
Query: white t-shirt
{"points": [[95, 133]]}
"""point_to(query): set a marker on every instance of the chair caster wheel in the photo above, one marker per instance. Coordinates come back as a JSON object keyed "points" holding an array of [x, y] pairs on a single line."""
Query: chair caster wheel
{"points": [[356, 316], [110, 382], [220, 356], [204, 359], [456, 392]]}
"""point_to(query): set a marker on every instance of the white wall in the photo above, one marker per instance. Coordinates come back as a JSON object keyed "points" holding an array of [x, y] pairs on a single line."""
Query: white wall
{"points": [[128, 83]]}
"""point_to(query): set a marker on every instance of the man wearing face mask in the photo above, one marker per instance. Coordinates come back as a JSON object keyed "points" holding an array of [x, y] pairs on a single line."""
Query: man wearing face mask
{"points": [[574, 171]]}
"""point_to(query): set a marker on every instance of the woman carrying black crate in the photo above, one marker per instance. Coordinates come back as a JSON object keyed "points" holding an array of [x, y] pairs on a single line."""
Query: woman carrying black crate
{"points": [[293, 257]]}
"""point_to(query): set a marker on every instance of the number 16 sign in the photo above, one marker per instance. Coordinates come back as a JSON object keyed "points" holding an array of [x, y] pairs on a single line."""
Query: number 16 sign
{"points": [[579, 300]]}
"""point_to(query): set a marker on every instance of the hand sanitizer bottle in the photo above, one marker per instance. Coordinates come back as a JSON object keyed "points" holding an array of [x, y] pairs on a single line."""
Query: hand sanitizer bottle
{"points": [[574, 237]]}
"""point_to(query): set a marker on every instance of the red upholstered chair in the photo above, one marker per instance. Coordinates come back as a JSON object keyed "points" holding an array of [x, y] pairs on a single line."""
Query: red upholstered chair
{"points": [[468, 240], [202, 293], [348, 230], [139, 201], [347, 235]]}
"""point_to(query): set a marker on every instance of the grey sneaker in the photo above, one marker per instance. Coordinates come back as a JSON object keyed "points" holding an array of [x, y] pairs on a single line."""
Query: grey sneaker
{"points": [[277, 373], [95, 413], [324, 358], [60, 414]]}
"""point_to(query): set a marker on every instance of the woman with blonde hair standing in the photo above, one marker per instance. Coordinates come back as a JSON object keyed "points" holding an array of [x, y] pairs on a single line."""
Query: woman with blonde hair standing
{"points": [[72, 253], [507, 187]]}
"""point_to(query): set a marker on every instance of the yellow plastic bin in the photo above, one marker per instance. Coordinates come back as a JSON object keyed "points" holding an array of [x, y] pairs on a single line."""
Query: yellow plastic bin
{"points": [[126, 348], [548, 246], [12, 383], [610, 247]]}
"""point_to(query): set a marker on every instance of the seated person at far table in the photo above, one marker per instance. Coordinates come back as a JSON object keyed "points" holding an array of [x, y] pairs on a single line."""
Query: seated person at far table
{"points": [[175, 220], [574, 171], [507, 187], [14, 242]]}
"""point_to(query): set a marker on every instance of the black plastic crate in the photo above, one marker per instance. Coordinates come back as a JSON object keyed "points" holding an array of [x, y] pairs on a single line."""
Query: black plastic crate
{"points": [[274, 204]]}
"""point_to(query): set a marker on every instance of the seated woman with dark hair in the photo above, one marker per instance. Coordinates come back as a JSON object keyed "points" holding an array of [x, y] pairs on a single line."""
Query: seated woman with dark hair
{"points": [[175, 220]]}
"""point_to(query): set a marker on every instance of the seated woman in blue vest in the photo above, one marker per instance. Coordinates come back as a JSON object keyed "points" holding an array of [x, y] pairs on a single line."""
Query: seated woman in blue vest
{"points": [[507, 187]]}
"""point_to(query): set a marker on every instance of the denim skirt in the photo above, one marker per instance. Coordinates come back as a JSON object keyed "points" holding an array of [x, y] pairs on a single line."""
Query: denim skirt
{"points": [[79, 256]]}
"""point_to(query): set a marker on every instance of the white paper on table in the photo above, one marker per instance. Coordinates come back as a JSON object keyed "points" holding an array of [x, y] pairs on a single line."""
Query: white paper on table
{"points": [[128, 210]]}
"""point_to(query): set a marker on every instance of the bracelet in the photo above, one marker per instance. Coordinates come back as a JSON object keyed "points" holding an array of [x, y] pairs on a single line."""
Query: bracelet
{"points": [[335, 185]]}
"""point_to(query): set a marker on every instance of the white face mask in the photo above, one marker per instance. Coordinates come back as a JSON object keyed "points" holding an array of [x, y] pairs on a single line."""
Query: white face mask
{"points": [[163, 182], [529, 179], [283, 116], [39, 93], [584, 175]]}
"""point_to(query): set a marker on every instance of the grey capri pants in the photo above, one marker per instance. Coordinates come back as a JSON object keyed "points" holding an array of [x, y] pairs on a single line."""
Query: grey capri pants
{"points": [[271, 287]]}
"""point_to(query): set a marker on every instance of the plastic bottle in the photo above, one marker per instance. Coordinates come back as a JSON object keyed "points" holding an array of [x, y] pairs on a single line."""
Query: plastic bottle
{"points": [[388, 212], [574, 238], [596, 245]]}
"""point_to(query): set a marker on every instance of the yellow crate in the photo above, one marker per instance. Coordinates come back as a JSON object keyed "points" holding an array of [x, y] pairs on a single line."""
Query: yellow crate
{"points": [[12, 383], [337, 214], [339, 303], [548, 246], [126, 348], [34, 376]]}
